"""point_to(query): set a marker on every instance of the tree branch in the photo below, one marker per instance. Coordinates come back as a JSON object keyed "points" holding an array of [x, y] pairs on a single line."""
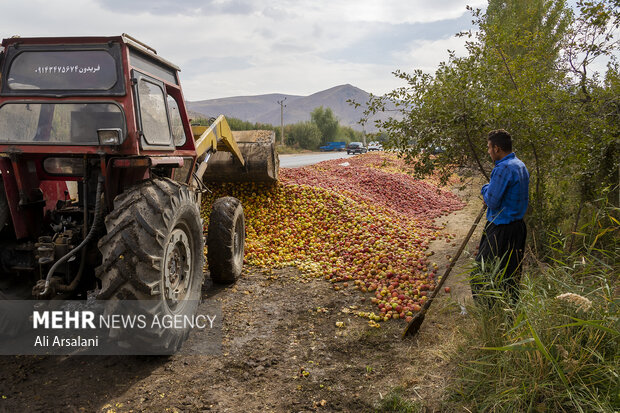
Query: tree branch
{"points": [[512, 79]]}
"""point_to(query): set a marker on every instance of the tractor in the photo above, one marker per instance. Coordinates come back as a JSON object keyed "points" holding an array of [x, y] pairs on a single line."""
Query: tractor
{"points": [[101, 178]]}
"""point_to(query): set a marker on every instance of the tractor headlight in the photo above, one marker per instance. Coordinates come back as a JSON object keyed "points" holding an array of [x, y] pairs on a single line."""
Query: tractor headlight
{"points": [[111, 136]]}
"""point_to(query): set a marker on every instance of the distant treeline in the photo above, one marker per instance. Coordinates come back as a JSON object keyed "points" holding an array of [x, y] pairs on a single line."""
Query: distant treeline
{"points": [[323, 127]]}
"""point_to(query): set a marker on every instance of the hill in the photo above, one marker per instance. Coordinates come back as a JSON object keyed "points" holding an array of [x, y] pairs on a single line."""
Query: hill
{"points": [[264, 108]]}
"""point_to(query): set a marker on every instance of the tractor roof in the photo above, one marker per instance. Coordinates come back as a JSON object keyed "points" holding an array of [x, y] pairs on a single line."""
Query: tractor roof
{"points": [[124, 38]]}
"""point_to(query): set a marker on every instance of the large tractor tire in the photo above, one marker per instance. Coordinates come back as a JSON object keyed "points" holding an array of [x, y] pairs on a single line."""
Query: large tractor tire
{"points": [[4, 206], [153, 252], [225, 240]]}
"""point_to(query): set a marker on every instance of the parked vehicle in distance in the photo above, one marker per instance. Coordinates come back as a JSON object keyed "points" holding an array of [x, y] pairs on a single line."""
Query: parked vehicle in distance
{"points": [[356, 147], [375, 146], [334, 146]]}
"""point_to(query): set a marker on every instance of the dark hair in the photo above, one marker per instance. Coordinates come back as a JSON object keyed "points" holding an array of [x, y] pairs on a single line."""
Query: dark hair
{"points": [[501, 138]]}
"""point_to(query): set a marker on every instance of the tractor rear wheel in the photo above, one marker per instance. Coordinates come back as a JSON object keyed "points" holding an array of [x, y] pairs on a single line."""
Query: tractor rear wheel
{"points": [[225, 240], [153, 252]]}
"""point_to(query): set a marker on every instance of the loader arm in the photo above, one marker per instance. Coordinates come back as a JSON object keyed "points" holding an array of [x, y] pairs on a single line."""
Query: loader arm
{"points": [[217, 137], [240, 156]]}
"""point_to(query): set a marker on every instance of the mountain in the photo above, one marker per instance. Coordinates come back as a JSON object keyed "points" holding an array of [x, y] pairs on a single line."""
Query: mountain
{"points": [[247, 108], [264, 108]]}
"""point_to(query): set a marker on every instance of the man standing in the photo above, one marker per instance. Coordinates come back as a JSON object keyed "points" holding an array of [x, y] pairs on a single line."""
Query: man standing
{"points": [[503, 239]]}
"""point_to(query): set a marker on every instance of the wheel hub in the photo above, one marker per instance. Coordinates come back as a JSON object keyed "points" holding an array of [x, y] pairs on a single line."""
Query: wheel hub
{"points": [[177, 266]]}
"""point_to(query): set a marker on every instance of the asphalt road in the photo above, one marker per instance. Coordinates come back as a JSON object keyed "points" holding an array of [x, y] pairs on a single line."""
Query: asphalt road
{"points": [[298, 160]]}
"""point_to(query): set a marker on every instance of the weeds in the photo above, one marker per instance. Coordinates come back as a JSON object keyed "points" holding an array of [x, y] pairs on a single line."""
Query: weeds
{"points": [[394, 402], [557, 349]]}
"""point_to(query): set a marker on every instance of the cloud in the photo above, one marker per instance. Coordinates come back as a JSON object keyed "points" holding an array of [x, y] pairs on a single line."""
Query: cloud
{"points": [[304, 76], [175, 7], [310, 73], [277, 13], [214, 64], [384, 42], [427, 54], [231, 47], [385, 11]]}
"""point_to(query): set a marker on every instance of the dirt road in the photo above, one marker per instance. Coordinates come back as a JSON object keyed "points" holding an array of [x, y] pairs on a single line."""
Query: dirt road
{"points": [[282, 352]]}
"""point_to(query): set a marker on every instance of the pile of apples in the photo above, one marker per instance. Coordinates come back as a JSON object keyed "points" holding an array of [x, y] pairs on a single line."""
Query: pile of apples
{"points": [[398, 192], [357, 226]]}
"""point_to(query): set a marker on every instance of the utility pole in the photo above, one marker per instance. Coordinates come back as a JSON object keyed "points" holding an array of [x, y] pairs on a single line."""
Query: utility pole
{"points": [[282, 106]]}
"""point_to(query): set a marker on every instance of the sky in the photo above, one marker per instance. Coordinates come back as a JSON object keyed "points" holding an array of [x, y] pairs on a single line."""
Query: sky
{"points": [[250, 47]]}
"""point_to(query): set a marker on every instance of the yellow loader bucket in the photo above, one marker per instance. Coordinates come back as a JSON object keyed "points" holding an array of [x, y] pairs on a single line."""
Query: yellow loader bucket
{"points": [[258, 148]]}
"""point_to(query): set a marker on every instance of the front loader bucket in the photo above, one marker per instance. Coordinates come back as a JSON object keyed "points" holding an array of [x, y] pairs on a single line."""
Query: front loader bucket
{"points": [[258, 148]]}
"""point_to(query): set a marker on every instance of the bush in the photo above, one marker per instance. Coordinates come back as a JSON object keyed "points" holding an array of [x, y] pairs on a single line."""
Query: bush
{"points": [[348, 134]]}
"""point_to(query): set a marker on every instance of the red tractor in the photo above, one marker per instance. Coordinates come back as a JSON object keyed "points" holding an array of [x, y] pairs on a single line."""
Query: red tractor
{"points": [[102, 176]]}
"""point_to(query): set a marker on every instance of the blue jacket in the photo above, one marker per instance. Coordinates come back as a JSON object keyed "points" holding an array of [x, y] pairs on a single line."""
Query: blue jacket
{"points": [[507, 193]]}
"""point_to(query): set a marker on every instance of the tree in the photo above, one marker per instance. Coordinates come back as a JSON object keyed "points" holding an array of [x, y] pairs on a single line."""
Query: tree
{"points": [[348, 134], [305, 134], [520, 74], [327, 123], [238, 124]]}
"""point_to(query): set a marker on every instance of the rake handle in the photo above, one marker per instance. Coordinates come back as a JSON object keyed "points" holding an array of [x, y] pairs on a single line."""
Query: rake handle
{"points": [[419, 318], [456, 257]]}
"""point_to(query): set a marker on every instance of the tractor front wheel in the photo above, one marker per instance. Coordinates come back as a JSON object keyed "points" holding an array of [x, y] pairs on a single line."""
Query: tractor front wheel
{"points": [[153, 252], [225, 240]]}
